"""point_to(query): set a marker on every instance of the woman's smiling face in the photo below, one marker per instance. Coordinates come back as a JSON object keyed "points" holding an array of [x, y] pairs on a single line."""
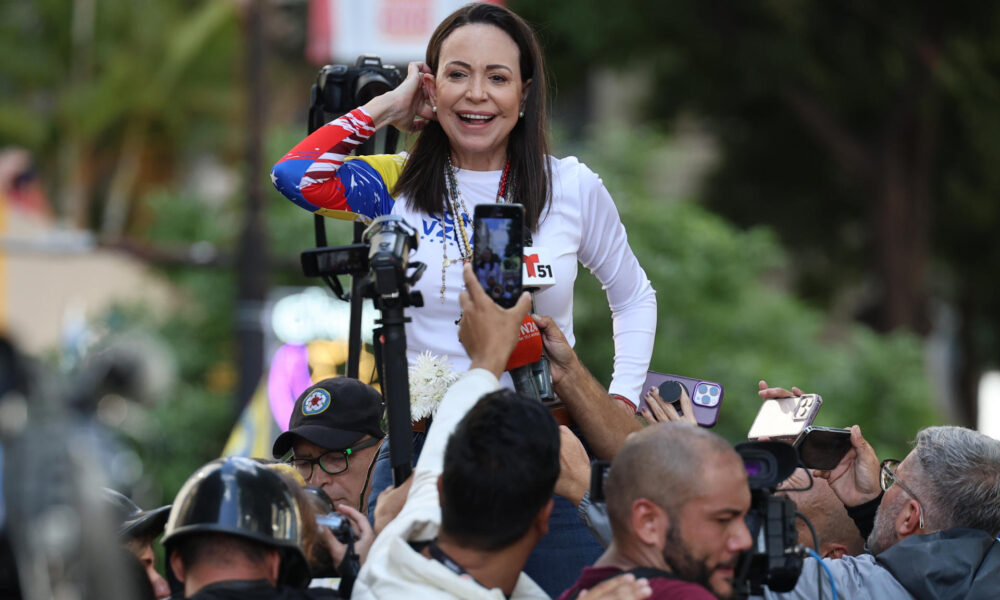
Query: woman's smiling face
{"points": [[478, 93]]}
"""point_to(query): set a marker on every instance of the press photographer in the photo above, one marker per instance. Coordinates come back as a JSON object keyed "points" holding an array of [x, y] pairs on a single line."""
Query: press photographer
{"points": [[235, 531], [677, 497], [936, 520]]}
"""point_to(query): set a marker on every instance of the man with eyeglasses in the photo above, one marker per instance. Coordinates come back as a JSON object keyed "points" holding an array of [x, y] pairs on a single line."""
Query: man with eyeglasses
{"points": [[333, 437], [936, 520]]}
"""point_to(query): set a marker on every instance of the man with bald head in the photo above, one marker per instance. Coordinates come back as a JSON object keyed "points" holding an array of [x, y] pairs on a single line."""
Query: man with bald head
{"points": [[677, 496], [836, 532]]}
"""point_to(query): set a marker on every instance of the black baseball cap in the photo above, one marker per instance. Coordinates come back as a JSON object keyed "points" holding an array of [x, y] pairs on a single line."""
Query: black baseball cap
{"points": [[333, 414], [133, 522]]}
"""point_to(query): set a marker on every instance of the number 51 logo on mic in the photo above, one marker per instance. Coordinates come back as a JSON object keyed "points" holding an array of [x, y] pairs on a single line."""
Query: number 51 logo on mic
{"points": [[537, 268]]}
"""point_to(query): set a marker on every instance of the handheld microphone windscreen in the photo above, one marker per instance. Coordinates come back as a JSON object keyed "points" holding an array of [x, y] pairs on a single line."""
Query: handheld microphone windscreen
{"points": [[536, 268], [529, 345]]}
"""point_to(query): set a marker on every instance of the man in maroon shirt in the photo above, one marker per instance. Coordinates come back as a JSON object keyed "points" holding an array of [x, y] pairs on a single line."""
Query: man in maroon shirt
{"points": [[677, 496]]}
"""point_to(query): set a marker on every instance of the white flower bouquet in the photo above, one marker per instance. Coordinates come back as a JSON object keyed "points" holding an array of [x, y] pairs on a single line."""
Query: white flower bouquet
{"points": [[430, 378]]}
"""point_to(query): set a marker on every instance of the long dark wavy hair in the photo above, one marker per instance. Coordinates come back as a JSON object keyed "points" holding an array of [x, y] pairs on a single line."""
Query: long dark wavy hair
{"points": [[423, 182]]}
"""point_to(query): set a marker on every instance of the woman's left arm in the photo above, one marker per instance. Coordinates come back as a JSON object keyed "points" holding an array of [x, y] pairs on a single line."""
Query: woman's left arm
{"points": [[605, 251]]}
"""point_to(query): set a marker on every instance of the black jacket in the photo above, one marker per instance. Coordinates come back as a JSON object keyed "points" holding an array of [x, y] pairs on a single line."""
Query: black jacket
{"points": [[957, 563]]}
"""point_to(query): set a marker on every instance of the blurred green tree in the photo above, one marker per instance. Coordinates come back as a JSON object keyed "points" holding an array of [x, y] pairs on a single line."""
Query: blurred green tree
{"points": [[866, 134], [114, 94], [724, 315]]}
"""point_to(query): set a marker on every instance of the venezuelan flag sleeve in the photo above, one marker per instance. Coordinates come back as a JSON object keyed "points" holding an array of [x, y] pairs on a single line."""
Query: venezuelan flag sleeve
{"points": [[318, 175]]}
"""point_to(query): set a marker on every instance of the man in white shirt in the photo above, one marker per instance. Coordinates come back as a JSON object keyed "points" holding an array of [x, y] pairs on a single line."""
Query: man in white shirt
{"points": [[481, 492]]}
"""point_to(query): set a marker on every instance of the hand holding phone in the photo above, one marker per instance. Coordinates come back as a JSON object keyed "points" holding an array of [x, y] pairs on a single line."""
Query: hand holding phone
{"points": [[822, 447], [706, 396], [668, 402], [784, 419], [497, 250]]}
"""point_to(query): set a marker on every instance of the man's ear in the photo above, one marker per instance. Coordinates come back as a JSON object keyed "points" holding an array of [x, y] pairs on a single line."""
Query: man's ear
{"points": [[908, 520], [542, 518], [273, 566], [649, 522], [175, 563], [833, 550]]}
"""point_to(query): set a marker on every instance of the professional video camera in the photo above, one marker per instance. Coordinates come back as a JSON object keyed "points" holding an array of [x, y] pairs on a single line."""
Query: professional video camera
{"points": [[775, 560], [383, 256]]}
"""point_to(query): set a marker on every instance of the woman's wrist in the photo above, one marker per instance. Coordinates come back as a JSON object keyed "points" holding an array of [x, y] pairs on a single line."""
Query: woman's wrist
{"points": [[381, 110]]}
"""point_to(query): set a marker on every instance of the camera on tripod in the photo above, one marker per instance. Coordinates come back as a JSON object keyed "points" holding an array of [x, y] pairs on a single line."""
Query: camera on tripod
{"points": [[775, 559], [384, 254]]}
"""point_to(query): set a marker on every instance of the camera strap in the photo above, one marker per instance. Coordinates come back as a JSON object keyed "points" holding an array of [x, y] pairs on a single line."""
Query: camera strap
{"points": [[439, 555]]}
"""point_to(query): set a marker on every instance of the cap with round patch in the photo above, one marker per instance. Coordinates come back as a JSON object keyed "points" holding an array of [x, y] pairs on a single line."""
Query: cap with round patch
{"points": [[333, 414], [316, 402]]}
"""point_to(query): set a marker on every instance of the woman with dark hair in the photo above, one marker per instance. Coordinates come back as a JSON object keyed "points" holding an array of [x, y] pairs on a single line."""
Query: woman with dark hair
{"points": [[479, 101]]}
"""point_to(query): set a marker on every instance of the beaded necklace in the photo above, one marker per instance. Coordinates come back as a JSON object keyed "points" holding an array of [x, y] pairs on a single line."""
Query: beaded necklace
{"points": [[456, 205]]}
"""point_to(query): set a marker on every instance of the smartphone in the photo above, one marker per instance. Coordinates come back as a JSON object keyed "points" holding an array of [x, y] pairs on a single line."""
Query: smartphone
{"points": [[823, 447], [706, 396], [784, 419], [498, 249]]}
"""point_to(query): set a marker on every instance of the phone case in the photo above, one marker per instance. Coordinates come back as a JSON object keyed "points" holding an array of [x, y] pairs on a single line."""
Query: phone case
{"points": [[785, 418], [823, 447], [706, 396]]}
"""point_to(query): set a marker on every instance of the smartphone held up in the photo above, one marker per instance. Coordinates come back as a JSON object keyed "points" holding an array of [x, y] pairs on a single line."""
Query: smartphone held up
{"points": [[822, 447], [706, 396], [784, 419], [498, 246]]}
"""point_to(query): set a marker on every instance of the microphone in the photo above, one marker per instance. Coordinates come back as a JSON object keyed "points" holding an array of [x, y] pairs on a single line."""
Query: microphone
{"points": [[528, 365], [536, 269]]}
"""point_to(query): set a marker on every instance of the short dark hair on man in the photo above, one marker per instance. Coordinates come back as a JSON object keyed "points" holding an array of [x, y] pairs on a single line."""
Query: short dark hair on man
{"points": [[500, 467], [218, 548]]}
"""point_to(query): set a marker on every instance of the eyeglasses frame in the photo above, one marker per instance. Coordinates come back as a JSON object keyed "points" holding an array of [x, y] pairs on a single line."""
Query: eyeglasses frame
{"points": [[347, 452], [887, 470]]}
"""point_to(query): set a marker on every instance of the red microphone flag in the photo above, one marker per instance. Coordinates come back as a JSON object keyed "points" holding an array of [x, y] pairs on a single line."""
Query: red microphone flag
{"points": [[529, 345]]}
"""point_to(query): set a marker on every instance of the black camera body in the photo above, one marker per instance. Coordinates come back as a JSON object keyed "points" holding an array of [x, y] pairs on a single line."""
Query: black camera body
{"points": [[338, 525], [774, 559], [341, 88], [384, 256]]}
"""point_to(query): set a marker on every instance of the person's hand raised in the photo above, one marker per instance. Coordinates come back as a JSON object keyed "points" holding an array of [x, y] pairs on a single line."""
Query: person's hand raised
{"points": [[407, 107], [560, 353], [855, 479], [766, 393], [488, 331], [574, 467], [659, 410]]}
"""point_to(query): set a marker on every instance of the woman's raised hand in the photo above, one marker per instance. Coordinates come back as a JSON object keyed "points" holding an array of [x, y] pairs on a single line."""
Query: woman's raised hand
{"points": [[658, 410], [408, 106]]}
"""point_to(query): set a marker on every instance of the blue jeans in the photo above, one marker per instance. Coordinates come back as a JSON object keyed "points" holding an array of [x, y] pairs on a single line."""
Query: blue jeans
{"points": [[555, 563]]}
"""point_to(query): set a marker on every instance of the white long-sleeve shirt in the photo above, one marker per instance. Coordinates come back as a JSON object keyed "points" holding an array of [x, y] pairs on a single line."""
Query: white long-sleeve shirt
{"points": [[580, 226]]}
